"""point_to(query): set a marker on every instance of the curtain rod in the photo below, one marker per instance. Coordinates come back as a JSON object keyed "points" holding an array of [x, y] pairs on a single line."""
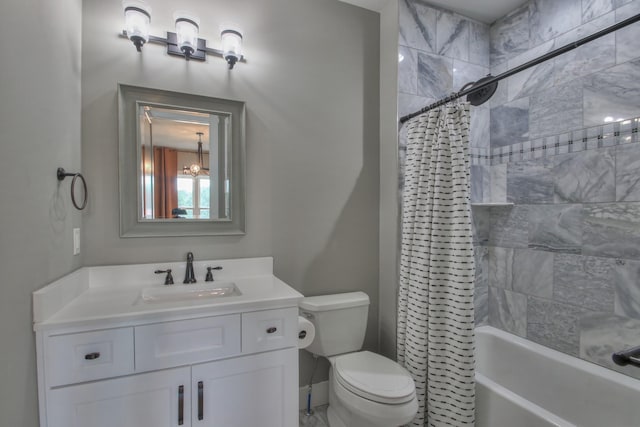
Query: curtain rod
{"points": [[494, 80]]}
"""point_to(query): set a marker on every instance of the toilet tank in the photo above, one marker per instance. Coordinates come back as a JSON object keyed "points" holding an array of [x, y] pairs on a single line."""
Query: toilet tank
{"points": [[340, 321]]}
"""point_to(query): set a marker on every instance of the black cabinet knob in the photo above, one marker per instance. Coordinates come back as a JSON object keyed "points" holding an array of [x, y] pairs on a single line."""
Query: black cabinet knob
{"points": [[92, 356]]}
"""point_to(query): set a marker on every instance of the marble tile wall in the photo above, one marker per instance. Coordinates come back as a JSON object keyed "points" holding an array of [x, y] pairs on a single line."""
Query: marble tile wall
{"points": [[611, 134], [564, 261], [572, 91], [441, 51]]}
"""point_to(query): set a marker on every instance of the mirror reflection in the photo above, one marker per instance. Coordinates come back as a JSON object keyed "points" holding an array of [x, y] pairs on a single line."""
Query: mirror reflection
{"points": [[184, 163]]}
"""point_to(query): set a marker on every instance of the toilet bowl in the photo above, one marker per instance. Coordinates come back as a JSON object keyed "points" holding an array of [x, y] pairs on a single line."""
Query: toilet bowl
{"points": [[370, 390], [365, 389]]}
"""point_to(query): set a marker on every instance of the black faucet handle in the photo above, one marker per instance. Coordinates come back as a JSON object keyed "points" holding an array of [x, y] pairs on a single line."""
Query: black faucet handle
{"points": [[168, 280], [209, 276]]}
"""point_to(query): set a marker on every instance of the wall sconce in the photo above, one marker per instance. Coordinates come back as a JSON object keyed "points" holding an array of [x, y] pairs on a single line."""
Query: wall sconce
{"points": [[187, 28], [184, 42], [231, 45], [137, 17]]}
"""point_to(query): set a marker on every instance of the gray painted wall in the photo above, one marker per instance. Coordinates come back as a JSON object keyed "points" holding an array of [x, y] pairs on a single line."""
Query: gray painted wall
{"points": [[388, 178], [39, 131], [311, 84]]}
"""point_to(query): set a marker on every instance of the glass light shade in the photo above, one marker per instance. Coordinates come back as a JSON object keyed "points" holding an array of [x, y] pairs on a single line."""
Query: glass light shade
{"points": [[137, 19], [187, 27], [231, 45], [194, 169]]}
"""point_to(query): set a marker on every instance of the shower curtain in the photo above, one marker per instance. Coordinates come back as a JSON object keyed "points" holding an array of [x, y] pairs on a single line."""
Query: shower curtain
{"points": [[435, 301]]}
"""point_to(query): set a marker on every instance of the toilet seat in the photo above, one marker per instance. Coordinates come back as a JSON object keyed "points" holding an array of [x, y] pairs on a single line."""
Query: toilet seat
{"points": [[374, 377]]}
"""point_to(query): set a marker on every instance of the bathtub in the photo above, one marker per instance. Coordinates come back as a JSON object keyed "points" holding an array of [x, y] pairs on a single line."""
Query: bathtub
{"points": [[523, 384]]}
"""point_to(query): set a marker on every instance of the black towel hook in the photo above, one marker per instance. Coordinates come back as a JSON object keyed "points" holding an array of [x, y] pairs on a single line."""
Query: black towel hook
{"points": [[62, 174]]}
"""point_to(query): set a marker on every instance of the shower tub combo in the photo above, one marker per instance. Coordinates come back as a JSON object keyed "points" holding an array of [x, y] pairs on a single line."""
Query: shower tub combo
{"points": [[521, 383]]}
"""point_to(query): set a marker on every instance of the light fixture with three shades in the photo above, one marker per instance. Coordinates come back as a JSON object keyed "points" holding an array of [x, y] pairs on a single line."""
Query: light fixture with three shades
{"points": [[184, 41]]}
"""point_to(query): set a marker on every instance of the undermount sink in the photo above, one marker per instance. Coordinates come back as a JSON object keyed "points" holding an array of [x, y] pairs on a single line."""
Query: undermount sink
{"points": [[190, 292]]}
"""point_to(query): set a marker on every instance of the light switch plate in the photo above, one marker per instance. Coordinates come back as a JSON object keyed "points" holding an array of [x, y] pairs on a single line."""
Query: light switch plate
{"points": [[76, 241]]}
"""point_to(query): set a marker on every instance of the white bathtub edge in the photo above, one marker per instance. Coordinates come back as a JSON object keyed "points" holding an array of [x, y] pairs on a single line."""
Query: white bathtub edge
{"points": [[562, 358], [522, 402]]}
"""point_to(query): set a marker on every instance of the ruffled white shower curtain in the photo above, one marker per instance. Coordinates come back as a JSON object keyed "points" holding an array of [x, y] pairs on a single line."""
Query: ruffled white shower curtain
{"points": [[435, 301]]}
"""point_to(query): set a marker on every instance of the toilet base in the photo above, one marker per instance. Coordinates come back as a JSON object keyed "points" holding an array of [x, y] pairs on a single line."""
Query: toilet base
{"points": [[340, 415], [334, 420]]}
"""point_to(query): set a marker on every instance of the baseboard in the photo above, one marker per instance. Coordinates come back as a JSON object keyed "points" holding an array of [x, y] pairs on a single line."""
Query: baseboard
{"points": [[319, 395]]}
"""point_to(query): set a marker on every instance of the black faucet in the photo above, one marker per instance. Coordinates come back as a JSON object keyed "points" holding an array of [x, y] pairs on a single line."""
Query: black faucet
{"points": [[189, 276]]}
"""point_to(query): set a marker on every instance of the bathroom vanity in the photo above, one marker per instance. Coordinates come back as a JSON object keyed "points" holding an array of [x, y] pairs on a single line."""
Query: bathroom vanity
{"points": [[195, 355]]}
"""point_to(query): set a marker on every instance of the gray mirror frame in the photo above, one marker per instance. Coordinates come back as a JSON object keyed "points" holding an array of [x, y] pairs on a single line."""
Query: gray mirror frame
{"points": [[130, 225]]}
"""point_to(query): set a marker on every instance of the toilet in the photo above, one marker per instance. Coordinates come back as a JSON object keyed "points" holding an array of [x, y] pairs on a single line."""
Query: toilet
{"points": [[365, 389]]}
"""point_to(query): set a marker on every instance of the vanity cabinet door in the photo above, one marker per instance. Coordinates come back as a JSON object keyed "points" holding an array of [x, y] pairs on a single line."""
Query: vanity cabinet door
{"points": [[257, 390], [158, 399]]}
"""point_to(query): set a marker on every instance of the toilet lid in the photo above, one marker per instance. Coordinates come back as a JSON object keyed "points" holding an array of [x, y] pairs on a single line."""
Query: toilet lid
{"points": [[374, 377]]}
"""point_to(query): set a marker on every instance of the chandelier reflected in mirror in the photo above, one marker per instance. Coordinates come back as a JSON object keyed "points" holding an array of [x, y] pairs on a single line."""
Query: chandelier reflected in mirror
{"points": [[198, 167]]}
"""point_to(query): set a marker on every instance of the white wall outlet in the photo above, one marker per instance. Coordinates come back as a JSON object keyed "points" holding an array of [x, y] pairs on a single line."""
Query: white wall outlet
{"points": [[76, 241]]}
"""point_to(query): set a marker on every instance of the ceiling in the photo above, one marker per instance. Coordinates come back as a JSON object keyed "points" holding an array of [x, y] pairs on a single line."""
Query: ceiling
{"points": [[487, 11], [375, 5], [177, 128]]}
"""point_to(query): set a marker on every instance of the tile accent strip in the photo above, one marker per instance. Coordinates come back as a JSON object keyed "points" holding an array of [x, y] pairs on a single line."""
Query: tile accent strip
{"points": [[591, 138]]}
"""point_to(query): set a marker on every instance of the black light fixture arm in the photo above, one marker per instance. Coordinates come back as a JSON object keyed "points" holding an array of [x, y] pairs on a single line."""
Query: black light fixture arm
{"points": [[494, 80]]}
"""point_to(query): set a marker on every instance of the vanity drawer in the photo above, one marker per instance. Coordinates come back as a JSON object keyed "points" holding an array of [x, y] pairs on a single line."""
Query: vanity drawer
{"points": [[269, 330], [184, 342], [88, 356]]}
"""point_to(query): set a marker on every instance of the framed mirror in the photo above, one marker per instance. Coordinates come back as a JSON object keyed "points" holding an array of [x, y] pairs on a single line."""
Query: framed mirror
{"points": [[181, 164]]}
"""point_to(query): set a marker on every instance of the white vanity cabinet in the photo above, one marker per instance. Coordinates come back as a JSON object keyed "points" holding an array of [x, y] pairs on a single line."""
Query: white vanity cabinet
{"points": [[233, 370], [158, 399], [257, 390], [108, 357]]}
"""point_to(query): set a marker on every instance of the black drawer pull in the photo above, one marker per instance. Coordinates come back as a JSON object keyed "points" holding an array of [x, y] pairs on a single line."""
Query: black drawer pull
{"points": [[200, 400], [181, 405], [92, 356], [271, 330]]}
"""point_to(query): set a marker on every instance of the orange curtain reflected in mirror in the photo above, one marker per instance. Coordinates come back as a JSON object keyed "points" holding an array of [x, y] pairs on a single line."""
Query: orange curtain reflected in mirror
{"points": [[165, 174]]}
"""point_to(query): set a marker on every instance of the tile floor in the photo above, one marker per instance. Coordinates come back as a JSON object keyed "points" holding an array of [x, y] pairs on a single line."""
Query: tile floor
{"points": [[318, 419]]}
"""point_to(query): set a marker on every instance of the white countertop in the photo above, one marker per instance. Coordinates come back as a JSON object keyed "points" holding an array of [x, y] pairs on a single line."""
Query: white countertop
{"points": [[101, 297]]}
